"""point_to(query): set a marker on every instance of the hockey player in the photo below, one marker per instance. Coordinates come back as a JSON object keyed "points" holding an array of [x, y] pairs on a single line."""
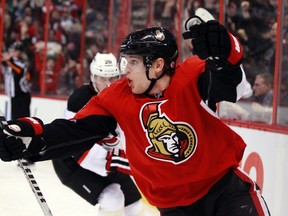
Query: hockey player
{"points": [[112, 191], [184, 159]]}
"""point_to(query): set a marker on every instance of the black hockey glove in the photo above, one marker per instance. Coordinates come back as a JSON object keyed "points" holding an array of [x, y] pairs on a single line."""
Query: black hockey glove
{"points": [[21, 138], [211, 39]]}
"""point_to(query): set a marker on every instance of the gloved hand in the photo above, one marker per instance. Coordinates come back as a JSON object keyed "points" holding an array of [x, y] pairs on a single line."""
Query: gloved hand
{"points": [[11, 148], [211, 39], [117, 160], [109, 142], [21, 138]]}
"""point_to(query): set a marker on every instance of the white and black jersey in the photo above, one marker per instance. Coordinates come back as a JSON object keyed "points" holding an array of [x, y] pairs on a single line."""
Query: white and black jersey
{"points": [[92, 169], [17, 77]]}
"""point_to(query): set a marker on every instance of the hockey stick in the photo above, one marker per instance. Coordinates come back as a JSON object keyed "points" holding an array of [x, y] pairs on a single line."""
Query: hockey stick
{"points": [[30, 178]]}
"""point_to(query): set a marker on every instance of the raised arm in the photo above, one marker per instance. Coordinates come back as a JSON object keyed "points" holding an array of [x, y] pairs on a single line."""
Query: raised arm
{"points": [[224, 78]]}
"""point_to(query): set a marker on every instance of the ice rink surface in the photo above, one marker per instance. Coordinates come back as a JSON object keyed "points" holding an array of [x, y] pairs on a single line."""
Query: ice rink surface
{"points": [[17, 198]]}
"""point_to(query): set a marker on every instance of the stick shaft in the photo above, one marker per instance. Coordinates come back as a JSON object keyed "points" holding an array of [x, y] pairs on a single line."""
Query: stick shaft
{"points": [[35, 188]]}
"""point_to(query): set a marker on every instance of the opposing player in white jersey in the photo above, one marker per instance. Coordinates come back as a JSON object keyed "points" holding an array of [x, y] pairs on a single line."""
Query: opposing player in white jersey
{"points": [[89, 174]]}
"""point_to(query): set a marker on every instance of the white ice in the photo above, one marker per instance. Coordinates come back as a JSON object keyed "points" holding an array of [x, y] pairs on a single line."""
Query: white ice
{"points": [[17, 198]]}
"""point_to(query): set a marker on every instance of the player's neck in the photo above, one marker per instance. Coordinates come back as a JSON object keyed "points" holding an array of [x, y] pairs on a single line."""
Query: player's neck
{"points": [[160, 86]]}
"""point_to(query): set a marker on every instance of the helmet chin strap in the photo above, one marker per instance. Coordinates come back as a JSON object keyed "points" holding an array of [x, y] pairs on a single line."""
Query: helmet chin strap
{"points": [[153, 81], [148, 63]]}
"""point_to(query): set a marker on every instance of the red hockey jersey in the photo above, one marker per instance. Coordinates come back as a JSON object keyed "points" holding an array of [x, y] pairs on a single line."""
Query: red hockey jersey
{"points": [[176, 145]]}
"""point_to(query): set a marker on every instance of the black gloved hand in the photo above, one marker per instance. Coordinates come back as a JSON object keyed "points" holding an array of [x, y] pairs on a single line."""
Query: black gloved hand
{"points": [[11, 148], [210, 39], [20, 138]]}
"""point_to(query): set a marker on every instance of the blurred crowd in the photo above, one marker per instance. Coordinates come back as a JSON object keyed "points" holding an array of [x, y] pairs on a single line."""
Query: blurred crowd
{"points": [[254, 23], [65, 64], [59, 67]]}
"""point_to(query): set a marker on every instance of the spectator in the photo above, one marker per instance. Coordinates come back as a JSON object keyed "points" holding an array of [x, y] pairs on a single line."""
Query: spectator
{"points": [[165, 14], [51, 76], [257, 108], [263, 89], [68, 80], [282, 111], [54, 63], [257, 34]]}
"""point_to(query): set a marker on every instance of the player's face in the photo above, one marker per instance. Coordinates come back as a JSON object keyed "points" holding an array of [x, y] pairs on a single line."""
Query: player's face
{"points": [[135, 71], [259, 87], [103, 82]]}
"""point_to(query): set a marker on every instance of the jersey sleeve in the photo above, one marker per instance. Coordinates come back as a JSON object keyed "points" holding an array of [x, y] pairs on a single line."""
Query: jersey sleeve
{"points": [[228, 84], [64, 137], [92, 107], [79, 98]]}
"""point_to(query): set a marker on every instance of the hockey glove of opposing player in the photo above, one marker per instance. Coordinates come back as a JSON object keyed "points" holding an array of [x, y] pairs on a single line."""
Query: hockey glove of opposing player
{"points": [[21, 138], [109, 142], [117, 160], [211, 39]]}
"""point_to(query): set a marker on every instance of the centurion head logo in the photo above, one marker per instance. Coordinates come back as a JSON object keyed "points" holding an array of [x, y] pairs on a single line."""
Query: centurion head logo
{"points": [[170, 141]]}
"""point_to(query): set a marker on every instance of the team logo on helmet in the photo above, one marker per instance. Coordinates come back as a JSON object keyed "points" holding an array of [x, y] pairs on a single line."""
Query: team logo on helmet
{"points": [[108, 62], [170, 141], [159, 35]]}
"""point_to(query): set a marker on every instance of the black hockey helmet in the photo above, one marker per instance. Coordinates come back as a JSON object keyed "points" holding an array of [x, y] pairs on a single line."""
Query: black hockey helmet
{"points": [[152, 43]]}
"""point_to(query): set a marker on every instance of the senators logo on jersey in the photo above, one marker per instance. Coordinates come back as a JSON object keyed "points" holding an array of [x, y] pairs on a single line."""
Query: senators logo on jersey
{"points": [[170, 141]]}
